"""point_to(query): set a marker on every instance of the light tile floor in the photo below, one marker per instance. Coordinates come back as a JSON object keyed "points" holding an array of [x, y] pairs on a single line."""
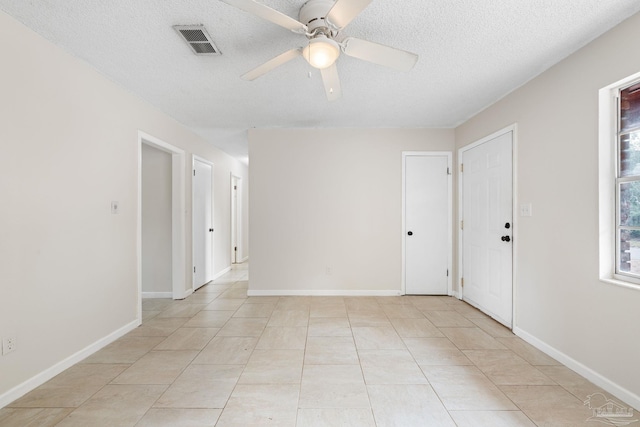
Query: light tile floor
{"points": [[219, 358]]}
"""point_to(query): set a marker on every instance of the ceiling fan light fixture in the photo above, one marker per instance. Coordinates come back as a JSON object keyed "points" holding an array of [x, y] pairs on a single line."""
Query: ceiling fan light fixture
{"points": [[321, 52]]}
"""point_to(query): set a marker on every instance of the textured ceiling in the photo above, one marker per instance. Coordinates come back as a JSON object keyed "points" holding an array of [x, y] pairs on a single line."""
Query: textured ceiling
{"points": [[472, 53]]}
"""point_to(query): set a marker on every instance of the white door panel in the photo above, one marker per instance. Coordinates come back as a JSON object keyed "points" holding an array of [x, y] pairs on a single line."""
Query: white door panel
{"points": [[202, 223], [427, 213], [487, 192]]}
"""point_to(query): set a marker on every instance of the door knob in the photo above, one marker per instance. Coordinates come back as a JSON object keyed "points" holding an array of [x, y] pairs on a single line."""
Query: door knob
{"points": [[211, 230], [410, 233], [506, 238], [507, 226]]}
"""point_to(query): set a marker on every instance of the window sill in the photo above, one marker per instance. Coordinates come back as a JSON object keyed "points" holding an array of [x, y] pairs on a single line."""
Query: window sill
{"points": [[621, 283]]}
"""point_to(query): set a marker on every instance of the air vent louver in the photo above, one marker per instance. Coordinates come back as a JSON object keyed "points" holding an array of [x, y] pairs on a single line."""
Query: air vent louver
{"points": [[197, 37]]}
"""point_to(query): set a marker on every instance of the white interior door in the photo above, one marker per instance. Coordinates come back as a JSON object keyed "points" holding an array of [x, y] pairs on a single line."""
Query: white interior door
{"points": [[427, 233], [487, 213], [202, 223], [235, 182]]}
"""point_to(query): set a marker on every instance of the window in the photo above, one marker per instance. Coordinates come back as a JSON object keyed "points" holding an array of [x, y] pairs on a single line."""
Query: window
{"points": [[619, 182], [628, 181]]}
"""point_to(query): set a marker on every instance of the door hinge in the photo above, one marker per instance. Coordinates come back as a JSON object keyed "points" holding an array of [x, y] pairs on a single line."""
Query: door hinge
{"points": [[448, 171], [194, 172], [447, 272], [462, 282], [461, 225], [235, 187], [194, 269], [461, 167], [235, 248]]}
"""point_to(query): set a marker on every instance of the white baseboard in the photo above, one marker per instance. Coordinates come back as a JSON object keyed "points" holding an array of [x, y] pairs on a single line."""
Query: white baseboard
{"points": [[44, 376], [222, 273], [157, 295], [321, 293], [245, 259], [618, 391]]}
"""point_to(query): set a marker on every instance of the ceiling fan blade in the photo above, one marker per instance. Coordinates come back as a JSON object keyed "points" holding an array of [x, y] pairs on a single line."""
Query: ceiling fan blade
{"points": [[331, 82], [343, 12], [271, 64], [265, 12], [379, 54]]}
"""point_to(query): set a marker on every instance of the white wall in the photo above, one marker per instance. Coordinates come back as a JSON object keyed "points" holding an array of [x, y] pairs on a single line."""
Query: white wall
{"points": [[156, 221], [330, 199], [245, 218], [560, 302], [68, 267], [244, 221]]}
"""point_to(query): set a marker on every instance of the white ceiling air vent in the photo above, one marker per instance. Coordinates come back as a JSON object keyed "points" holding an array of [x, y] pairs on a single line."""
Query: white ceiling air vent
{"points": [[198, 38]]}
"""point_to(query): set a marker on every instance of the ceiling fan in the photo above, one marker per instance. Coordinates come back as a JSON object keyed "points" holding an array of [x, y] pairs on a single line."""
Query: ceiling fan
{"points": [[321, 21]]}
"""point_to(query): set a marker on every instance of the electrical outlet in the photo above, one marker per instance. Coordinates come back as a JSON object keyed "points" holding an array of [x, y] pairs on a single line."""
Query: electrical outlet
{"points": [[526, 209], [8, 345]]}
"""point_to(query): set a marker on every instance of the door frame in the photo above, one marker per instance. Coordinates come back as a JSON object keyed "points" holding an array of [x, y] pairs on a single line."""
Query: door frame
{"points": [[193, 190], [178, 242], [449, 156], [514, 201]]}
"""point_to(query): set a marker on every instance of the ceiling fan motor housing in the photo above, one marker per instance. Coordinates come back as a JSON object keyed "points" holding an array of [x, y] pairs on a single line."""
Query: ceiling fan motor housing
{"points": [[313, 13]]}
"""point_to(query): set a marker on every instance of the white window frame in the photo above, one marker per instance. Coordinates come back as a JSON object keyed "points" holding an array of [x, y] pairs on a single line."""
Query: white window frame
{"points": [[608, 183]]}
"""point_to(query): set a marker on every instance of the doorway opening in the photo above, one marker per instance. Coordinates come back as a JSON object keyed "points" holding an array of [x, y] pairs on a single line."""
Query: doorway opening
{"points": [[156, 223], [177, 216]]}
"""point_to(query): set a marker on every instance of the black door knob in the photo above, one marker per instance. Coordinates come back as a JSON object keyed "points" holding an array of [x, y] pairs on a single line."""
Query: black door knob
{"points": [[507, 226], [211, 230], [410, 233], [506, 238]]}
